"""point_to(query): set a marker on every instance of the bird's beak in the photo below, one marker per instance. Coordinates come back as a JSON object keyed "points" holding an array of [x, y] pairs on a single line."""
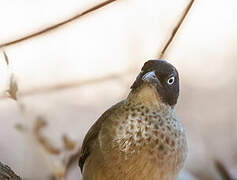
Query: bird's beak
{"points": [[151, 78]]}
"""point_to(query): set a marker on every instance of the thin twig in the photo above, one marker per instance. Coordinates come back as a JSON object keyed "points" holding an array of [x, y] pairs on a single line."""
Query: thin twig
{"points": [[72, 159], [13, 86], [56, 25], [222, 170], [69, 85], [176, 29], [41, 123], [6, 173], [5, 56]]}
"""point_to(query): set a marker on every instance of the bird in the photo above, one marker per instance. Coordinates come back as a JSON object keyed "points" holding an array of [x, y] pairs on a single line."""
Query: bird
{"points": [[139, 138]]}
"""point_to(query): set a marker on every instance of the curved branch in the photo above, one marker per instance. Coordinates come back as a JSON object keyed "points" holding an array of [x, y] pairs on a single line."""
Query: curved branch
{"points": [[176, 29], [56, 25]]}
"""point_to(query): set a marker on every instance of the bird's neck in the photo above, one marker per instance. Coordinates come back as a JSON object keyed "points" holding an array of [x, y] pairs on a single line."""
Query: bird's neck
{"points": [[147, 94]]}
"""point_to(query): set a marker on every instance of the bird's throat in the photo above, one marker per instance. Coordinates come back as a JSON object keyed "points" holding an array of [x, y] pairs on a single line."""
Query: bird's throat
{"points": [[147, 95]]}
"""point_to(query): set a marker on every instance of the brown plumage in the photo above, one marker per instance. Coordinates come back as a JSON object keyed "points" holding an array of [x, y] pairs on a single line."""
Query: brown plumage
{"points": [[140, 137]]}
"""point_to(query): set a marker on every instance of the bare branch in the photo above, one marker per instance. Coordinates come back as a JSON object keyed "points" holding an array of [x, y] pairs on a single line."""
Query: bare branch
{"points": [[176, 29], [74, 157], [222, 170], [68, 143], [45, 30], [13, 88], [5, 57], [7, 174], [70, 85], [41, 123]]}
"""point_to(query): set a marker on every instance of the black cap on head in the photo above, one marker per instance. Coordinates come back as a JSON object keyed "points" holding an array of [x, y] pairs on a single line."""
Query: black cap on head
{"points": [[163, 76]]}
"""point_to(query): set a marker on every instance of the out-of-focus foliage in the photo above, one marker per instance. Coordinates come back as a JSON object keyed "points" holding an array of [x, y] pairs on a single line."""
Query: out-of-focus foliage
{"points": [[70, 75]]}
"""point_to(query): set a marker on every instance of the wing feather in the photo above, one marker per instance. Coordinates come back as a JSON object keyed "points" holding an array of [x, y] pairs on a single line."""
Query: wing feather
{"points": [[92, 135]]}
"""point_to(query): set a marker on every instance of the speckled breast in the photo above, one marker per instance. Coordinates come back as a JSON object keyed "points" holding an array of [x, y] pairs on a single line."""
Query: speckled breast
{"points": [[153, 135]]}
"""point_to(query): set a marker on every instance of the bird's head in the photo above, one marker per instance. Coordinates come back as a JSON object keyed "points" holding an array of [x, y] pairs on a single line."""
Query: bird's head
{"points": [[163, 77]]}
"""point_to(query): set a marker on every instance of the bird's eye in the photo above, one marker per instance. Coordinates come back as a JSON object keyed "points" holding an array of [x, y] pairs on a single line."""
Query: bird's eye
{"points": [[170, 81]]}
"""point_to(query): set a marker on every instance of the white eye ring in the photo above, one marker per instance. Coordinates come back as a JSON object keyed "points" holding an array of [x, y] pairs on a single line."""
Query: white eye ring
{"points": [[170, 81]]}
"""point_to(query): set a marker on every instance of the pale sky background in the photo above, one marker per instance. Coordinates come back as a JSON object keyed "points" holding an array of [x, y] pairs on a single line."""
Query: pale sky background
{"points": [[117, 38]]}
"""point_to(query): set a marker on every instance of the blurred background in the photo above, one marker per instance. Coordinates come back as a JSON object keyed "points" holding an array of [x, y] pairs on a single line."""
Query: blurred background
{"points": [[67, 77]]}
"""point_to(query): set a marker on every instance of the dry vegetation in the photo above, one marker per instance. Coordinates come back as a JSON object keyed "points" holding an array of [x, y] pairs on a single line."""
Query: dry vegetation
{"points": [[67, 154]]}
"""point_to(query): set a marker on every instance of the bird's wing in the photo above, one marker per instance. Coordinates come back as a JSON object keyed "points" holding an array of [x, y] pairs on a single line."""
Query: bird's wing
{"points": [[92, 134]]}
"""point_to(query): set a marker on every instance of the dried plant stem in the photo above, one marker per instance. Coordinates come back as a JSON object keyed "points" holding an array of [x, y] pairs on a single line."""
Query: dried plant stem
{"points": [[5, 57], [176, 29], [70, 85], [45, 30], [7, 173], [222, 170], [43, 141]]}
